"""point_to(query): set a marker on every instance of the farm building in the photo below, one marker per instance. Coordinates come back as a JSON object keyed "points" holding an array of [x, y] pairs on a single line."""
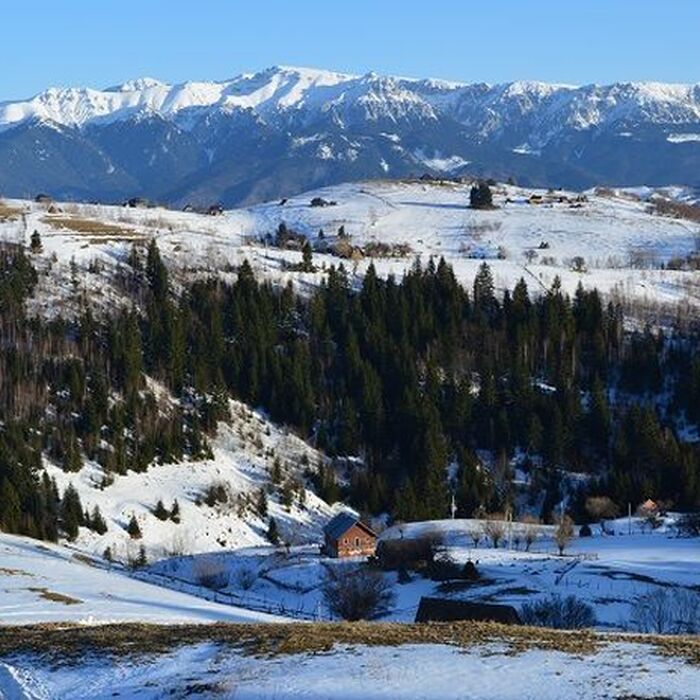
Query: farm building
{"points": [[347, 536], [444, 610]]}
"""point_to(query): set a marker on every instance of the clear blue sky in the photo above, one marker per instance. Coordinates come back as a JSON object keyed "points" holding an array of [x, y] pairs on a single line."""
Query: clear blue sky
{"points": [[103, 42]]}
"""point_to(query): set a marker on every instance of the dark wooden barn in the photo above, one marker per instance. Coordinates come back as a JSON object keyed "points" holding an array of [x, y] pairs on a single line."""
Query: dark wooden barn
{"points": [[445, 610]]}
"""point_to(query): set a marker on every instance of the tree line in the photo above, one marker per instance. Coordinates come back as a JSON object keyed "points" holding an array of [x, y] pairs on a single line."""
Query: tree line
{"points": [[440, 390]]}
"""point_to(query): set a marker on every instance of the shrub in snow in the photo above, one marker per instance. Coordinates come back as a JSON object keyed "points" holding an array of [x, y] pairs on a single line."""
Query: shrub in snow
{"points": [[218, 492], [403, 575], [356, 593], [688, 525], [667, 611], [414, 553], [210, 573], [245, 578], [470, 572], [443, 568], [558, 613], [578, 264], [585, 531]]}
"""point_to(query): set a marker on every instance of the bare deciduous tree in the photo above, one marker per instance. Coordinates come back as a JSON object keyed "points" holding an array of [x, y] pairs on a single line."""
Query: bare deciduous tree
{"points": [[356, 593], [531, 530], [564, 532], [210, 572], [601, 508], [495, 528], [558, 613], [667, 611]]}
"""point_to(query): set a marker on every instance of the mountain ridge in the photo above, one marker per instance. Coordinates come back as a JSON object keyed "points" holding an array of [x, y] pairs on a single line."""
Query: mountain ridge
{"points": [[285, 129]]}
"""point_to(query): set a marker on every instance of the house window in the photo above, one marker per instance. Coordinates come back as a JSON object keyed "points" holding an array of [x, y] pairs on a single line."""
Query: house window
{"points": [[357, 541]]}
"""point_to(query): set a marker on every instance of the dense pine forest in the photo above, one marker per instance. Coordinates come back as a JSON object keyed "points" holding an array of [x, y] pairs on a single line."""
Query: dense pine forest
{"points": [[439, 390]]}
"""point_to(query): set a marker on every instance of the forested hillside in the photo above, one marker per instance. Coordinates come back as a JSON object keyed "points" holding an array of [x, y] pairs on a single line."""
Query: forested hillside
{"points": [[435, 387]]}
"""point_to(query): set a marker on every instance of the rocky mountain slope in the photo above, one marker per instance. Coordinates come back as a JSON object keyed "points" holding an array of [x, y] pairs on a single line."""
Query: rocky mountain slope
{"points": [[285, 130]]}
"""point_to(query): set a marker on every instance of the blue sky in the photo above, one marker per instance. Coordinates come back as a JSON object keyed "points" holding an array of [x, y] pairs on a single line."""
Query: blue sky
{"points": [[103, 42]]}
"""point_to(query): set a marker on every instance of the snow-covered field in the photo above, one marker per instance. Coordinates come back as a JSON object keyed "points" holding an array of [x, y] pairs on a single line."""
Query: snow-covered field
{"points": [[607, 571], [624, 246], [431, 671], [42, 582], [52, 583]]}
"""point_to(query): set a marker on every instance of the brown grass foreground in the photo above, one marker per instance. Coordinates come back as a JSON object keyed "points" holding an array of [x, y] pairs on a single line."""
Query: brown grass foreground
{"points": [[70, 642]]}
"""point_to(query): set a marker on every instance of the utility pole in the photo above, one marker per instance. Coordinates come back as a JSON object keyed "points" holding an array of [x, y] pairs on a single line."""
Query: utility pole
{"points": [[629, 518], [453, 506]]}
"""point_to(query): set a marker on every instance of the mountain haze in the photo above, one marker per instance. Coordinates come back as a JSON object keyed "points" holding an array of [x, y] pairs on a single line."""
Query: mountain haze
{"points": [[284, 130]]}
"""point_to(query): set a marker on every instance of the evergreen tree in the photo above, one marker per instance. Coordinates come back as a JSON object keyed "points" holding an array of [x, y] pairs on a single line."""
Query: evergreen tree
{"points": [[36, 245], [160, 511], [480, 196], [97, 522], [307, 264], [142, 559], [10, 510], [133, 528], [272, 532], [261, 503], [72, 514]]}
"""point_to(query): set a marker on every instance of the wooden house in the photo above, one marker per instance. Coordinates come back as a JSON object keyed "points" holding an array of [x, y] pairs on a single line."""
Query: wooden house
{"points": [[346, 535]]}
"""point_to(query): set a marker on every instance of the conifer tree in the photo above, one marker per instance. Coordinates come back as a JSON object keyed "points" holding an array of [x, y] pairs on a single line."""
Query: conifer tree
{"points": [[97, 522], [261, 503], [36, 245], [133, 528], [160, 511], [272, 532], [10, 511], [72, 514]]}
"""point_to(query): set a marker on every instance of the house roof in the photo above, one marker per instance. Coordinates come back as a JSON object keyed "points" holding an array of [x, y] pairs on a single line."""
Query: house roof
{"points": [[445, 610], [341, 523]]}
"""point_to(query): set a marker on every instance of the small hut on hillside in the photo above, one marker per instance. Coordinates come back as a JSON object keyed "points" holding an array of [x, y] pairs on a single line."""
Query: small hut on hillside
{"points": [[347, 536], [446, 610]]}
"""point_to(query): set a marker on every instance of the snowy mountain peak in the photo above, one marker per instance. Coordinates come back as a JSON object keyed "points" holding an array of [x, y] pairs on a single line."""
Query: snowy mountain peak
{"points": [[281, 88], [137, 85], [286, 128]]}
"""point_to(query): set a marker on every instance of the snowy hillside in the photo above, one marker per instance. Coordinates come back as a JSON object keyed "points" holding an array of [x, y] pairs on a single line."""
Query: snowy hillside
{"points": [[607, 572], [533, 234], [285, 129], [244, 455], [42, 582]]}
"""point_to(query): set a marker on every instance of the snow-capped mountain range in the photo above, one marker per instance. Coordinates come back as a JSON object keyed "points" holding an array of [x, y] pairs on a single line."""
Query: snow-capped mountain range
{"points": [[284, 130]]}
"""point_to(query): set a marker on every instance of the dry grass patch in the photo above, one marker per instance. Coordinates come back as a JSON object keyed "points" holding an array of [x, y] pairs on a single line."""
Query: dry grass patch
{"points": [[65, 642], [8, 213], [55, 597], [4, 571], [98, 231], [294, 638]]}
